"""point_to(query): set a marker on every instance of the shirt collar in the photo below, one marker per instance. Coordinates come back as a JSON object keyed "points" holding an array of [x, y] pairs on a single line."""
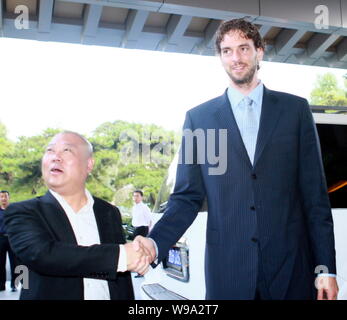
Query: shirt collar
{"points": [[89, 205], [235, 96]]}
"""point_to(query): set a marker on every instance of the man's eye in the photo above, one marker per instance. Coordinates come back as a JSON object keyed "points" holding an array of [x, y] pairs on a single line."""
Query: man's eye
{"points": [[67, 150]]}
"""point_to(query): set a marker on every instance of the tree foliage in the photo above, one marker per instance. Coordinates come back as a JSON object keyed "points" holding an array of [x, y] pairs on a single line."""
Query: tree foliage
{"points": [[128, 156], [6, 151], [327, 92]]}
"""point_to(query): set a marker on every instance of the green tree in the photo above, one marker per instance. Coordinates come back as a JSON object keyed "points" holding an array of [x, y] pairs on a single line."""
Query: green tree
{"points": [[6, 158], [327, 92], [130, 156], [127, 156], [27, 155]]}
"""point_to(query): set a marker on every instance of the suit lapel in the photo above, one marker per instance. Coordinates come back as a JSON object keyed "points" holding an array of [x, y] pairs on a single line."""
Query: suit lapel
{"points": [[57, 219], [270, 113], [226, 120], [104, 222], [59, 223]]}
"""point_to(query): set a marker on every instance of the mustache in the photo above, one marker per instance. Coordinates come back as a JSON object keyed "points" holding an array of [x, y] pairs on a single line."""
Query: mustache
{"points": [[248, 77], [239, 64]]}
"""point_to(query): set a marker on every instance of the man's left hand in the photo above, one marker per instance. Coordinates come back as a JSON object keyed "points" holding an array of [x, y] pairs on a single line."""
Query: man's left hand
{"points": [[327, 288]]}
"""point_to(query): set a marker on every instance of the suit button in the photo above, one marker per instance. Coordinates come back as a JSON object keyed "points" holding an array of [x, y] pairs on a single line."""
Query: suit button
{"points": [[252, 208], [254, 239], [254, 176]]}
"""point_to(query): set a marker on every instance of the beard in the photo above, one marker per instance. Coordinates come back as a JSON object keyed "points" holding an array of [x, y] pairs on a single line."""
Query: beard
{"points": [[247, 78]]}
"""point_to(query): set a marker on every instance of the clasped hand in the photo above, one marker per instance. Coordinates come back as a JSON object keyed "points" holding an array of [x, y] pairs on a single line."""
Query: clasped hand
{"points": [[140, 253]]}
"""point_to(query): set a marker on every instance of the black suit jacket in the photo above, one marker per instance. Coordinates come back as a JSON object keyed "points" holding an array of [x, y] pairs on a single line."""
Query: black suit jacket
{"points": [[42, 238], [275, 212]]}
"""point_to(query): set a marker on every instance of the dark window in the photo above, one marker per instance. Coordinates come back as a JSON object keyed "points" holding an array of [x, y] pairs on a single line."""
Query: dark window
{"points": [[333, 140]]}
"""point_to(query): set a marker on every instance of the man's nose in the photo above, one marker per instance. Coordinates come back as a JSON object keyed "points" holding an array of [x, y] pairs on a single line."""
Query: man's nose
{"points": [[57, 157], [235, 56]]}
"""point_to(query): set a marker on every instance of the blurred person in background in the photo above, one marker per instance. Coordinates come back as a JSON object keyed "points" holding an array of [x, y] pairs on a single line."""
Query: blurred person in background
{"points": [[5, 246], [141, 217]]}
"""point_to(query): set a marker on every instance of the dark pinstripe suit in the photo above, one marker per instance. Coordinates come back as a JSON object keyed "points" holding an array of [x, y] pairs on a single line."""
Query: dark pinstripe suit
{"points": [[274, 214]]}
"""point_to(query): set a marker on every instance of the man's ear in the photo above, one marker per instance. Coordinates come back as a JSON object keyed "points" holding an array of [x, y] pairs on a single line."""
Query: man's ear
{"points": [[260, 54], [90, 164]]}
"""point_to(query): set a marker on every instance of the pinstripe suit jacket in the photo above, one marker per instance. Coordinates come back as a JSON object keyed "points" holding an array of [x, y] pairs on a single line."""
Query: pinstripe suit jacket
{"points": [[278, 207]]}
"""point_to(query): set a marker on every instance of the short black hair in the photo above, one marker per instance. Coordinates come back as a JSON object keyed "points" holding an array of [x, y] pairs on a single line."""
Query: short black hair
{"points": [[138, 191], [4, 191]]}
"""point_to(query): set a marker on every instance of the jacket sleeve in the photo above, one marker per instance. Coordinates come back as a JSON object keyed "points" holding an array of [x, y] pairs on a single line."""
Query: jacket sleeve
{"points": [[314, 194], [185, 201], [35, 246]]}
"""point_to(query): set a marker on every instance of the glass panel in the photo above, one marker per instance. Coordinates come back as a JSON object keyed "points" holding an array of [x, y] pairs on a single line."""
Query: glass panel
{"points": [[333, 140]]}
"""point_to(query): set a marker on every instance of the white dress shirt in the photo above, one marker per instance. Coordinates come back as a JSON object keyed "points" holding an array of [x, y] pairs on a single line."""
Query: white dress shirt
{"points": [[84, 226], [141, 215]]}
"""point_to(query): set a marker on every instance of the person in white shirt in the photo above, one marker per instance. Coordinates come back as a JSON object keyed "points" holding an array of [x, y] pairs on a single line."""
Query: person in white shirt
{"points": [[141, 215], [71, 242]]}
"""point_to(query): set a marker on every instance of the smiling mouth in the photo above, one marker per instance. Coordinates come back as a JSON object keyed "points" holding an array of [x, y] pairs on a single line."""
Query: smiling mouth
{"points": [[56, 170], [239, 68]]}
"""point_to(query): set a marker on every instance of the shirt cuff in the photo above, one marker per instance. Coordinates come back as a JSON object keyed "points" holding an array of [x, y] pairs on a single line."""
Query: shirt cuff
{"points": [[156, 250], [326, 275], [122, 260]]}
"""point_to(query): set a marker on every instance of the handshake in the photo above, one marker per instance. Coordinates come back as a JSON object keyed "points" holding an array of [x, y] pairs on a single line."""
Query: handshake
{"points": [[140, 254]]}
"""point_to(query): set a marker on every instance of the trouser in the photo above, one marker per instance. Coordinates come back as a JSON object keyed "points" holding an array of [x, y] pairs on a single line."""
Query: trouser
{"points": [[262, 291], [4, 249], [141, 231]]}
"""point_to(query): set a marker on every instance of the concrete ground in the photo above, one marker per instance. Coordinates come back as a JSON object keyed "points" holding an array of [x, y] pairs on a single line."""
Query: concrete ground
{"points": [[7, 294]]}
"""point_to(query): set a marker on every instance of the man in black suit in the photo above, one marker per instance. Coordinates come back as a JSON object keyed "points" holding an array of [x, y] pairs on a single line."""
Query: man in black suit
{"points": [[71, 242], [269, 218], [4, 244]]}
